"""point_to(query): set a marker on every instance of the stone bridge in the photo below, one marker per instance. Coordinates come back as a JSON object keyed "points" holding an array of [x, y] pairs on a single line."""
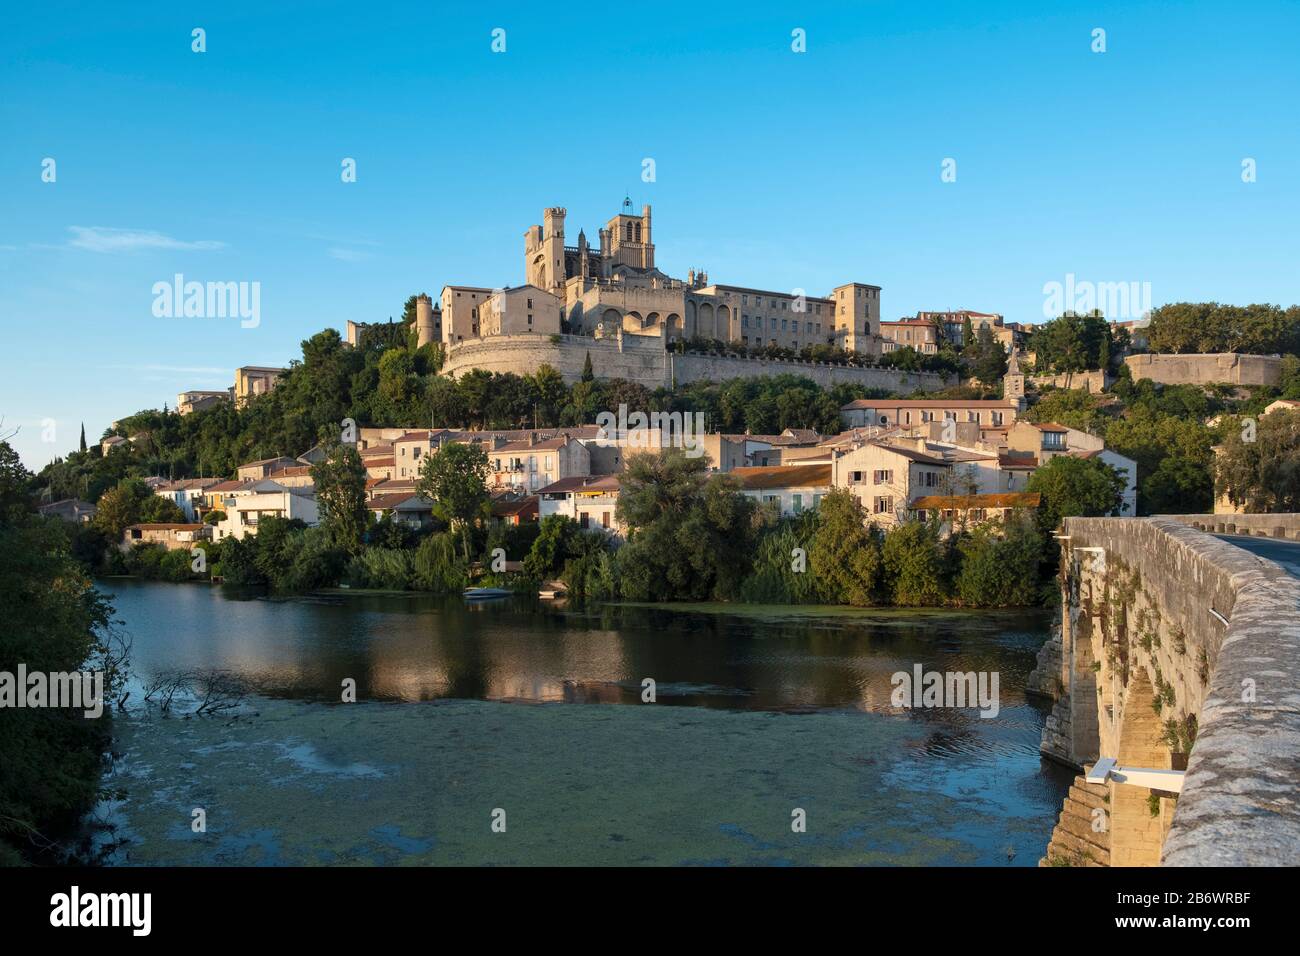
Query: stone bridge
{"points": [[1178, 650]]}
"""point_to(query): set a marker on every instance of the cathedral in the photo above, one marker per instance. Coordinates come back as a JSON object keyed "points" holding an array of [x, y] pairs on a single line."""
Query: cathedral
{"points": [[614, 289]]}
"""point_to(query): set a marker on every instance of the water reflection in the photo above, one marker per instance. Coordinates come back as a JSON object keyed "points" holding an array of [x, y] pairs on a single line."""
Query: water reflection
{"points": [[415, 647]]}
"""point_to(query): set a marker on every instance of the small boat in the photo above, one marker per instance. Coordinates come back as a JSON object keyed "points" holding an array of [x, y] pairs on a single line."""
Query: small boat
{"points": [[485, 594]]}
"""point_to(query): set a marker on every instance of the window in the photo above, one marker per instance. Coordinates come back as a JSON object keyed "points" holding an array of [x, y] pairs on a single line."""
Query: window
{"points": [[997, 419], [604, 520], [882, 505], [798, 503], [882, 477], [1054, 440], [929, 479], [584, 520], [856, 477]]}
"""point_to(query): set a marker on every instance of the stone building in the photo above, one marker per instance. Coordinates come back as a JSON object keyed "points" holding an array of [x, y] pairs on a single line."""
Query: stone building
{"points": [[254, 380], [614, 288]]}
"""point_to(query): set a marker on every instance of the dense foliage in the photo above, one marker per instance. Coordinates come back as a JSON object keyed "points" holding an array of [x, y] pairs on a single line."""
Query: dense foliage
{"points": [[53, 621], [1200, 327]]}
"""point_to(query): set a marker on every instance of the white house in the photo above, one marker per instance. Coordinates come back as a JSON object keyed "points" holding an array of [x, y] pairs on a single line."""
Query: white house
{"points": [[791, 488], [265, 499]]}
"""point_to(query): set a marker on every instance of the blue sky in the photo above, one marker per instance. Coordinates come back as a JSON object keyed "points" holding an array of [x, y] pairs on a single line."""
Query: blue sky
{"points": [[773, 169]]}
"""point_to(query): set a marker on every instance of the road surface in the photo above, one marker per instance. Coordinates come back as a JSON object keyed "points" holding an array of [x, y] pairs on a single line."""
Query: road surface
{"points": [[1285, 553]]}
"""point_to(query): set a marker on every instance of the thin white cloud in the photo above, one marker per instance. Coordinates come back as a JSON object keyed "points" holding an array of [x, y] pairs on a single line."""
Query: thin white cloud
{"points": [[110, 240], [348, 255]]}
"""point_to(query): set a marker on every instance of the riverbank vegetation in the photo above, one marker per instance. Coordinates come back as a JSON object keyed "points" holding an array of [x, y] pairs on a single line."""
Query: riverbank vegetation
{"points": [[54, 622]]}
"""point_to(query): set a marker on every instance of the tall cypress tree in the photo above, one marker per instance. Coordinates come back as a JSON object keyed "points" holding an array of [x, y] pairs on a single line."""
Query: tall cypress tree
{"points": [[83, 436]]}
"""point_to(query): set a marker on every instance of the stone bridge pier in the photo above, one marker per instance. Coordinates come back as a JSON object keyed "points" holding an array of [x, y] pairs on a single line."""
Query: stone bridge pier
{"points": [[1176, 651]]}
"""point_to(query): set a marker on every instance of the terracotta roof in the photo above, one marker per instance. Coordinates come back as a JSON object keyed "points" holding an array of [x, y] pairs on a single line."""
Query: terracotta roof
{"points": [[164, 526], [1049, 426], [292, 472], [549, 444], [572, 483], [185, 484], [604, 485], [506, 507], [911, 453], [782, 476], [381, 462], [395, 500], [1004, 499], [1017, 461], [993, 403], [236, 485]]}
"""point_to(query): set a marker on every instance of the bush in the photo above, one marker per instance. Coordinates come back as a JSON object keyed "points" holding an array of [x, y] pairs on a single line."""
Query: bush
{"points": [[387, 568], [916, 562], [999, 566], [437, 567]]}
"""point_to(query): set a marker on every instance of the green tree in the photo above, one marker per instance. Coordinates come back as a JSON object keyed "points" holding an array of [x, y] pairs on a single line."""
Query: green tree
{"points": [[845, 554], [1262, 475], [967, 333], [999, 563], [916, 563], [54, 621], [1076, 487], [455, 478], [340, 479]]}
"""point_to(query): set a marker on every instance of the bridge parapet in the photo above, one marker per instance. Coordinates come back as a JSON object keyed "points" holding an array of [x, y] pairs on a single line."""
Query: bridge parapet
{"points": [[1179, 650], [1283, 527]]}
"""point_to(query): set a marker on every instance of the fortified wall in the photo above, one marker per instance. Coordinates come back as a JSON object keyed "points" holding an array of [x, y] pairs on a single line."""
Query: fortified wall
{"points": [[644, 360], [1231, 367], [1176, 651]]}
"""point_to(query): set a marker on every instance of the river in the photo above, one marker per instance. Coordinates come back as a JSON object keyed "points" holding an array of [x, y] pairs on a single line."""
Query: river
{"points": [[512, 732]]}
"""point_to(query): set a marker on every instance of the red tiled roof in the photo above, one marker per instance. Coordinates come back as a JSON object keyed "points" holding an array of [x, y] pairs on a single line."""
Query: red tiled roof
{"points": [[782, 476], [238, 484], [1003, 499], [163, 526]]}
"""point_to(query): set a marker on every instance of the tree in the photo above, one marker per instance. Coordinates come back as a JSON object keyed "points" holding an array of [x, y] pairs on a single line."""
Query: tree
{"points": [[1073, 343], [131, 502], [967, 333], [989, 363], [54, 621], [689, 534], [916, 563], [1076, 487], [83, 437], [1200, 327], [999, 563], [1262, 475], [587, 373], [340, 480], [845, 554], [455, 478]]}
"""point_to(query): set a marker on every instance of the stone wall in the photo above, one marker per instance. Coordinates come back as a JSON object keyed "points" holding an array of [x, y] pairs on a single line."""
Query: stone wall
{"points": [[1230, 367], [1283, 526], [1174, 642], [1093, 381], [645, 361]]}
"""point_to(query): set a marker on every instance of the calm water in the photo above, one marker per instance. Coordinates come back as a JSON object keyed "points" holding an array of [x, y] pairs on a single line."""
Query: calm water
{"points": [[519, 707]]}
